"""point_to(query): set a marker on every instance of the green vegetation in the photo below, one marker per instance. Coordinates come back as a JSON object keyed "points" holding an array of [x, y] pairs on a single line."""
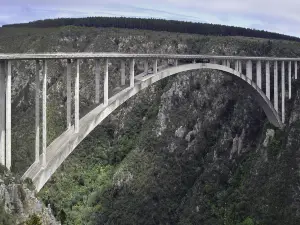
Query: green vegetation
{"points": [[33, 220], [155, 25]]}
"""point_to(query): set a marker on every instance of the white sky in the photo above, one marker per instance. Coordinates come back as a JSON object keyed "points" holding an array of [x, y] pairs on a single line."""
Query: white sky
{"points": [[277, 15]]}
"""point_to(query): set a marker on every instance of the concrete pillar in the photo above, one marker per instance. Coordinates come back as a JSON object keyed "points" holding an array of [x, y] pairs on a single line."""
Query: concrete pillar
{"points": [[2, 112], [44, 112], [258, 73], [155, 66], [146, 67], [224, 63], [282, 92], [249, 71], [240, 67], [132, 73], [8, 118], [97, 81], [236, 65], [76, 97], [296, 70], [176, 62], [290, 79], [276, 85], [228, 63], [69, 94], [105, 82], [194, 61], [37, 111], [122, 72], [268, 92]]}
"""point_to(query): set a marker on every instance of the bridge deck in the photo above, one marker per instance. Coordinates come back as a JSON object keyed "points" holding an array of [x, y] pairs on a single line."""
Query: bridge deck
{"points": [[83, 55]]}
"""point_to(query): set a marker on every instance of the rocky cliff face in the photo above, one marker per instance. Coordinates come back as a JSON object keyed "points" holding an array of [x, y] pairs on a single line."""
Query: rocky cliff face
{"points": [[19, 204], [192, 149]]}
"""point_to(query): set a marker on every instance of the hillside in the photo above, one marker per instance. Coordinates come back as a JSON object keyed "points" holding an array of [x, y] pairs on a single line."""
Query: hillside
{"points": [[155, 25], [191, 149]]}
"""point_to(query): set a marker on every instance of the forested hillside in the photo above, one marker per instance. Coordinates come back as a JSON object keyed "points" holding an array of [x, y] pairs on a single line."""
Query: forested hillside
{"points": [[194, 148], [156, 25]]}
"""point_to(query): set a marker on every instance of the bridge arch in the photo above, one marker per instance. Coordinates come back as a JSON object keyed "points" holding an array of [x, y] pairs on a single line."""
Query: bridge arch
{"points": [[61, 147]]}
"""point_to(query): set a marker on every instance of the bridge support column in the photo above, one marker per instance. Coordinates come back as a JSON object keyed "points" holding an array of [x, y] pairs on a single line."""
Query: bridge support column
{"points": [[44, 111], [76, 97], [8, 117], [290, 79], [2, 112], [296, 70], [97, 81], [282, 92], [105, 82], [258, 73], [69, 94], [228, 63], [224, 63], [194, 61], [122, 72], [146, 66], [176, 62], [236, 65], [268, 92], [240, 67], [132, 73], [155, 66], [276, 85], [37, 111], [249, 71]]}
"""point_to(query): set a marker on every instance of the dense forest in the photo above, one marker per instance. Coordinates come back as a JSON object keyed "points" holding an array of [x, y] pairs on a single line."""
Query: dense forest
{"points": [[156, 25]]}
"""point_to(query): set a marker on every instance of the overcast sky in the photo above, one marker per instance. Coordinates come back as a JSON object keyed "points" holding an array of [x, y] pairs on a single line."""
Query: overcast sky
{"points": [[272, 15]]}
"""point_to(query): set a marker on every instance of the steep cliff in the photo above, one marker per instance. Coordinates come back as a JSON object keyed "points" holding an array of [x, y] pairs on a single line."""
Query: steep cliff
{"points": [[192, 149], [19, 204]]}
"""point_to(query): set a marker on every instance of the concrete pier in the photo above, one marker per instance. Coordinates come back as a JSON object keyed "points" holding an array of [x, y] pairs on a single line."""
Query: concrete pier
{"points": [[2, 112], [76, 97], [132, 73], [276, 86], [282, 92], [44, 112], [268, 94], [69, 93], [146, 66], [37, 111], [155, 66], [105, 82], [97, 81], [123, 72], [258, 73], [8, 117], [296, 70], [249, 70], [227, 63], [290, 79], [236, 65]]}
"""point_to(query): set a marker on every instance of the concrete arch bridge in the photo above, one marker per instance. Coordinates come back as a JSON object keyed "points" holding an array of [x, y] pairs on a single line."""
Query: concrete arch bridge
{"points": [[254, 72]]}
